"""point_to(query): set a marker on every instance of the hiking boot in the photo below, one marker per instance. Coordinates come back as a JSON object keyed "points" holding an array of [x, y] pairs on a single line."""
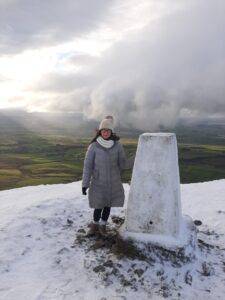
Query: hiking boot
{"points": [[94, 229], [102, 230]]}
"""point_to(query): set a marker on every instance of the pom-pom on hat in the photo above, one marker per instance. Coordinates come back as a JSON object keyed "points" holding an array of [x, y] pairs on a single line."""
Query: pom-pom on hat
{"points": [[107, 123]]}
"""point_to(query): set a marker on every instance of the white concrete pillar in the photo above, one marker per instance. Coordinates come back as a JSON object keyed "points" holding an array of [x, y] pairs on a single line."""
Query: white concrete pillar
{"points": [[154, 204]]}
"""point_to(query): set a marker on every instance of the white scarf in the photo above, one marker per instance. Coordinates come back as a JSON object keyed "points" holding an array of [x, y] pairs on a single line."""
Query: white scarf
{"points": [[105, 143]]}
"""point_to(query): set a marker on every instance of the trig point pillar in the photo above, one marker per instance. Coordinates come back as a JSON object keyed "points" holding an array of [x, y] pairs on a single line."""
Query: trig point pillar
{"points": [[154, 204]]}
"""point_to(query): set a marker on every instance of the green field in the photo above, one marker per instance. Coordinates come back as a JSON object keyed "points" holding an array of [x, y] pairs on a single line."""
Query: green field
{"points": [[31, 159]]}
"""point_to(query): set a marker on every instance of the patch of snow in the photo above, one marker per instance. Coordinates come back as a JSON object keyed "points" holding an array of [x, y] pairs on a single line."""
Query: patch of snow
{"points": [[39, 259]]}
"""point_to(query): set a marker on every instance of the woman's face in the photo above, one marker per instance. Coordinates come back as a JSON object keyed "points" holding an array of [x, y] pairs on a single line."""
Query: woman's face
{"points": [[106, 133]]}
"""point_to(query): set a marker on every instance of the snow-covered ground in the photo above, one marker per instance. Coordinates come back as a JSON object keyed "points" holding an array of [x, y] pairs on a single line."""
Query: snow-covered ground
{"points": [[44, 253]]}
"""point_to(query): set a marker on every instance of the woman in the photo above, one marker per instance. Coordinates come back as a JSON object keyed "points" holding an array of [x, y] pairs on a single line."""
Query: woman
{"points": [[103, 163]]}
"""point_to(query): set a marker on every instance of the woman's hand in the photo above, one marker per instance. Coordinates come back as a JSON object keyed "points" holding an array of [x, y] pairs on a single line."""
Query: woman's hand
{"points": [[84, 190]]}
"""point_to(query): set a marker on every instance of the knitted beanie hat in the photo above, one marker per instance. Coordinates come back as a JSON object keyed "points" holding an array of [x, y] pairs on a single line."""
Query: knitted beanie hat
{"points": [[107, 123]]}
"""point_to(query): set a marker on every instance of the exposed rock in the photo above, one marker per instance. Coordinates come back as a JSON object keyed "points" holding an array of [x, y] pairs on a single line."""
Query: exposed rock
{"points": [[188, 278], [109, 264], [203, 244], [139, 272], [207, 269], [69, 222], [99, 268], [81, 230], [124, 281], [117, 220], [164, 291]]}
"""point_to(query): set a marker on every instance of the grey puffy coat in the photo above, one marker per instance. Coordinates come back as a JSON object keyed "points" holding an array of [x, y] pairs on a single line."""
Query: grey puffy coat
{"points": [[101, 173]]}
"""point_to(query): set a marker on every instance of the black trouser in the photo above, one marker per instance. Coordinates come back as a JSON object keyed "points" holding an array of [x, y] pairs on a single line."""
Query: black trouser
{"points": [[101, 213]]}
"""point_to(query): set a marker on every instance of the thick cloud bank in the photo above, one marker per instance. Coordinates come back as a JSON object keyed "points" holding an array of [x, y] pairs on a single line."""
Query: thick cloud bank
{"points": [[155, 69]]}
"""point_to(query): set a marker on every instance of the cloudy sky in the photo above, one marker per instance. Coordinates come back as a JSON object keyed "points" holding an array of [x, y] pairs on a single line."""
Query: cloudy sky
{"points": [[147, 62]]}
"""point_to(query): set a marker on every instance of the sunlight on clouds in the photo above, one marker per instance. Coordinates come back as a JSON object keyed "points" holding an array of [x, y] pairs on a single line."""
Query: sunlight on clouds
{"points": [[28, 65], [129, 16], [121, 55], [14, 94]]}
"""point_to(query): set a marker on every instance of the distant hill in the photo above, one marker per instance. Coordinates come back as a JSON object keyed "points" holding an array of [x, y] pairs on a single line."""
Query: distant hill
{"points": [[52, 123], [11, 120], [205, 131]]}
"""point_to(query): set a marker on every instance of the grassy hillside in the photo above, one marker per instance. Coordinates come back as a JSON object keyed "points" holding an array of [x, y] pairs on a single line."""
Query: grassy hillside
{"points": [[30, 159]]}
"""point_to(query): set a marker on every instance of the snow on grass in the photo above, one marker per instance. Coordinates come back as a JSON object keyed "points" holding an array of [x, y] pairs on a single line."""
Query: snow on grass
{"points": [[44, 253]]}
